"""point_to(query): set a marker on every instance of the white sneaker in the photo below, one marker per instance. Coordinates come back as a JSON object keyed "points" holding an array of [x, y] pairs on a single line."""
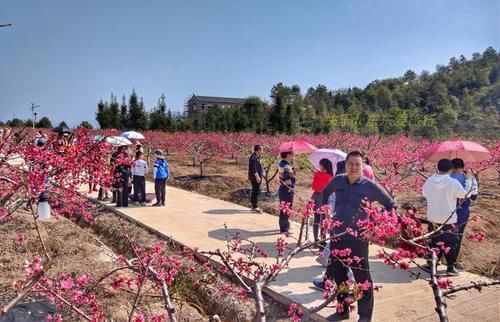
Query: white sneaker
{"points": [[143, 204], [137, 203], [257, 210]]}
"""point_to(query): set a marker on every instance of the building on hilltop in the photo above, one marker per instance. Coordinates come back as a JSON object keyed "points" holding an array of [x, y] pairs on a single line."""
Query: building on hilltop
{"points": [[197, 104]]}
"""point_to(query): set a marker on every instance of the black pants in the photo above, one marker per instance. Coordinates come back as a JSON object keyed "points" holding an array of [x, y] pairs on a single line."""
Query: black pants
{"points": [[317, 226], [448, 235], [254, 197], [122, 193], [160, 190], [140, 187], [285, 196], [316, 197], [115, 188], [338, 272]]}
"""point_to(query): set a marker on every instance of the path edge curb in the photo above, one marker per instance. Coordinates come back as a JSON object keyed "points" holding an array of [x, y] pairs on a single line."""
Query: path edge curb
{"points": [[268, 291]]}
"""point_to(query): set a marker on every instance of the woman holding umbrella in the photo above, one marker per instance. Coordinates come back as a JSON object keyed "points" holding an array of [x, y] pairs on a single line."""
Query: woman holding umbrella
{"points": [[320, 180], [287, 176]]}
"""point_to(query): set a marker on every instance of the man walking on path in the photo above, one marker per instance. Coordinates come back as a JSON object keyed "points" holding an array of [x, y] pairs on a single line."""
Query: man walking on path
{"points": [[255, 175], [442, 192], [351, 190], [463, 212], [139, 170], [160, 174]]}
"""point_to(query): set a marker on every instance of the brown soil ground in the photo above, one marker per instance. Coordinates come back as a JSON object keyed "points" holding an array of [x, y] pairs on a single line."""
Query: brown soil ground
{"points": [[225, 179], [84, 248]]}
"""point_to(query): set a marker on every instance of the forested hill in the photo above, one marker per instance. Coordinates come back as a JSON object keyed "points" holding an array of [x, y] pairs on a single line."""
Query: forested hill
{"points": [[461, 97]]}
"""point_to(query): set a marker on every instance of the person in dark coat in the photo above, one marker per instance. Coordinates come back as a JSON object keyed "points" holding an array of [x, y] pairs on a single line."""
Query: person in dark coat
{"points": [[351, 189], [286, 188], [114, 163], [255, 175], [123, 175]]}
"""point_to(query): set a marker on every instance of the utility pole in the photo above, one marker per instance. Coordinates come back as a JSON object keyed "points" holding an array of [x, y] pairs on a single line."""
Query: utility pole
{"points": [[33, 113]]}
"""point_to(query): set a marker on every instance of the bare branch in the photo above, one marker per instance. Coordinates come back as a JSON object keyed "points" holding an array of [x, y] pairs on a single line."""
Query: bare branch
{"points": [[476, 285], [20, 296], [74, 308]]}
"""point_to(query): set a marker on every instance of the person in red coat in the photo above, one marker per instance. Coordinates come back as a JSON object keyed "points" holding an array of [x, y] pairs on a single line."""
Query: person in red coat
{"points": [[320, 180]]}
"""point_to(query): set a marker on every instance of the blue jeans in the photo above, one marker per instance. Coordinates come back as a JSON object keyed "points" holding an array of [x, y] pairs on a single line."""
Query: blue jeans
{"points": [[463, 214]]}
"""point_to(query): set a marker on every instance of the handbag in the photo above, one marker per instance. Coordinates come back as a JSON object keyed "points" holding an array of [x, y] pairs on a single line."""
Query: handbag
{"points": [[324, 257]]}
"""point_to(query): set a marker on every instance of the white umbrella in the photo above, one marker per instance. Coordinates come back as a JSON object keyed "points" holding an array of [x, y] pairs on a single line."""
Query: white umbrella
{"points": [[132, 135], [333, 155], [118, 140]]}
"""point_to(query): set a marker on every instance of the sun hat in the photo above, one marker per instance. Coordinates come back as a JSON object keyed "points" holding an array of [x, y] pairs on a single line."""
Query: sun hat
{"points": [[159, 154]]}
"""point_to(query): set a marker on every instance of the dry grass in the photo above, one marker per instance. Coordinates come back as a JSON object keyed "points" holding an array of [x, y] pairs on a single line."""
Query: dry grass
{"points": [[90, 248]]}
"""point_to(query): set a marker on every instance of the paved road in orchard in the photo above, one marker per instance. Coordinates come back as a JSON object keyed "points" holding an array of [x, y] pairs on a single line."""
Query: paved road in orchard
{"points": [[196, 220]]}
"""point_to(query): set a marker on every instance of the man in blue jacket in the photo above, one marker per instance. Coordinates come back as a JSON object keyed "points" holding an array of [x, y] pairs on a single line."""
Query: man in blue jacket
{"points": [[458, 173], [160, 174], [351, 189]]}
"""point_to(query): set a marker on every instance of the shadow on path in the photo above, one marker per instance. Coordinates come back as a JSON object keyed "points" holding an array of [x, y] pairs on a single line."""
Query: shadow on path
{"points": [[268, 246], [227, 212]]}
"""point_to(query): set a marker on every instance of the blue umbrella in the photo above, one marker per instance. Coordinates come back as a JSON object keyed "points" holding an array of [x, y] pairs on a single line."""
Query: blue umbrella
{"points": [[99, 137]]}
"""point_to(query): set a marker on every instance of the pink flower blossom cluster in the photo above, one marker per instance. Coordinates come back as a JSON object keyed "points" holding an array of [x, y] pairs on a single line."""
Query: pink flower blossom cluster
{"points": [[294, 312]]}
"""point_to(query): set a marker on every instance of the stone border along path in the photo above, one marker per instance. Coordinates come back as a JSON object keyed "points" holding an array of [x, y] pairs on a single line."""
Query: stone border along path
{"points": [[195, 220]]}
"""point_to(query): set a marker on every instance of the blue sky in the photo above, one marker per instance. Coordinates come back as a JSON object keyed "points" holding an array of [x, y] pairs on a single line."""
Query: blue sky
{"points": [[66, 55]]}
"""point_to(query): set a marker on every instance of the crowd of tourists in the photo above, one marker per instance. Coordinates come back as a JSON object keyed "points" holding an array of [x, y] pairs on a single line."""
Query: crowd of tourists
{"points": [[130, 170], [345, 186]]}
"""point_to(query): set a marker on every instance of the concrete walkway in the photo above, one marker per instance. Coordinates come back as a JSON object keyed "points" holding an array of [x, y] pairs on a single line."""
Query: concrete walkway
{"points": [[198, 221]]}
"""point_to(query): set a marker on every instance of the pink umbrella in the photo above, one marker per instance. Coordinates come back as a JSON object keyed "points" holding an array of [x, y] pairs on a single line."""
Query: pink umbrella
{"points": [[465, 150], [297, 147]]}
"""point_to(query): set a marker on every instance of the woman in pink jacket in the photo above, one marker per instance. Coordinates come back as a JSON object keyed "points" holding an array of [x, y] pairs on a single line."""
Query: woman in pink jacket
{"points": [[368, 170]]}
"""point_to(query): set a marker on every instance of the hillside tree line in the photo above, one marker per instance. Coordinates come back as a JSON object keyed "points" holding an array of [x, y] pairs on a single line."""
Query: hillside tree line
{"points": [[462, 97]]}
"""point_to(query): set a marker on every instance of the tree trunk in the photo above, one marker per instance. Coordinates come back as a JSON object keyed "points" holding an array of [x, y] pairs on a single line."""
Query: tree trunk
{"points": [[438, 293], [260, 311], [301, 233], [202, 164], [269, 179]]}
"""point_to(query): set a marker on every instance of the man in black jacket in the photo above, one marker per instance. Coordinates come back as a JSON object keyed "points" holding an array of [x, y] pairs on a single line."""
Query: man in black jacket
{"points": [[255, 175]]}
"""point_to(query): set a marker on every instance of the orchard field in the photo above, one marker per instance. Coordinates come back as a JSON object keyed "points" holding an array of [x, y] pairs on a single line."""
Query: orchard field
{"points": [[213, 164]]}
